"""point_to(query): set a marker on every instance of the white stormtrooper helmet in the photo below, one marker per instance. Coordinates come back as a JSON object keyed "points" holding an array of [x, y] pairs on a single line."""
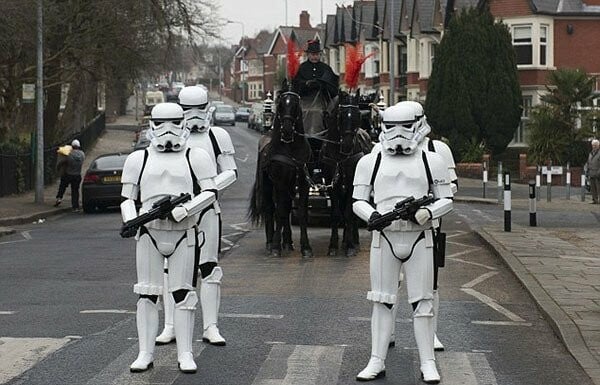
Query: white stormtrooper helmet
{"points": [[194, 101], [168, 131], [404, 127]]}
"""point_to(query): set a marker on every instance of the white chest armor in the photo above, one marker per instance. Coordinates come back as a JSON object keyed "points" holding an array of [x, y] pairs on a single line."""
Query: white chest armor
{"points": [[398, 177], [202, 140]]}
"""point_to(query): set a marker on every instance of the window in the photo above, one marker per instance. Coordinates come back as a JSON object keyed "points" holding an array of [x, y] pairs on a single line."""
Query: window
{"points": [[521, 133], [372, 63], [523, 44], [433, 49], [543, 43]]}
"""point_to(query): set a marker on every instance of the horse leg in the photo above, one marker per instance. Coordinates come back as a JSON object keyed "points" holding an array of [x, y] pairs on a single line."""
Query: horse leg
{"points": [[350, 228], [303, 218], [288, 243], [335, 221]]}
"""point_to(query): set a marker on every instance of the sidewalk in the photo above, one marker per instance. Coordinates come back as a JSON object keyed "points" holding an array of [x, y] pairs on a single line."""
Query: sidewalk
{"points": [[560, 267]]}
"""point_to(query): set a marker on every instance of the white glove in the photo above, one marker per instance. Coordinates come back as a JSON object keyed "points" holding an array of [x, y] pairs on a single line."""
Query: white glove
{"points": [[179, 213], [422, 216]]}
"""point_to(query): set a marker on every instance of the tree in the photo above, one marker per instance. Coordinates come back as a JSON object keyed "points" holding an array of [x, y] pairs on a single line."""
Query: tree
{"points": [[86, 43], [474, 97], [558, 127]]}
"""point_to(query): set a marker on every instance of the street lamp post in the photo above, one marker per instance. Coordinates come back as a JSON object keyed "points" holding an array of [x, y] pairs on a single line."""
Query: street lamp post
{"points": [[39, 170], [242, 77]]}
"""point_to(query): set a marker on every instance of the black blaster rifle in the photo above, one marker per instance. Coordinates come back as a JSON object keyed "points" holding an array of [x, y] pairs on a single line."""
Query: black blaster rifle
{"points": [[160, 210], [405, 209]]}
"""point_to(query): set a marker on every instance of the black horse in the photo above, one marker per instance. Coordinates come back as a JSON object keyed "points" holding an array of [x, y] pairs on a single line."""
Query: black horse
{"points": [[280, 174], [346, 143]]}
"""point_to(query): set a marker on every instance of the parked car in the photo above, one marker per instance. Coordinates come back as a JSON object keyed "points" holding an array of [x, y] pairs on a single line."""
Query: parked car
{"points": [[241, 114], [101, 187], [141, 141], [255, 117], [152, 99], [224, 114]]}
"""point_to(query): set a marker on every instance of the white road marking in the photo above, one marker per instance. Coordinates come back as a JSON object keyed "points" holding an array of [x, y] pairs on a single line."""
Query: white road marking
{"points": [[461, 253], [26, 235], [107, 311], [472, 263], [493, 304], [7, 312], [301, 365], [501, 323], [480, 279], [465, 368], [20, 354], [266, 316], [165, 370], [457, 234], [234, 234], [579, 258], [227, 241], [244, 160], [240, 226], [17, 241]]}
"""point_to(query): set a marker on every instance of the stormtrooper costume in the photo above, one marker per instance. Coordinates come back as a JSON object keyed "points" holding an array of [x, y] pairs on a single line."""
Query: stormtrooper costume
{"points": [[401, 169], [441, 148], [217, 144], [167, 168]]}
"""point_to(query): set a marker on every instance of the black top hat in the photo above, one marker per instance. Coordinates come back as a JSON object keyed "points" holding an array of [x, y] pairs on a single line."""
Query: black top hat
{"points": [[313, 46]]}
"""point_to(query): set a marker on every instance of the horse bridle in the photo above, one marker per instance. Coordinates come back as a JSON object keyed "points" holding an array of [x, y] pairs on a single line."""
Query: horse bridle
{"points": [[342, 133], [284, 117]]}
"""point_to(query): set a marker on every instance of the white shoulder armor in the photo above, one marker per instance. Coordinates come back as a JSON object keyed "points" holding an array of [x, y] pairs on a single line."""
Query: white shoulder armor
{"points": [[201, 164], [133, 167], [365, 169], [223, 140]]}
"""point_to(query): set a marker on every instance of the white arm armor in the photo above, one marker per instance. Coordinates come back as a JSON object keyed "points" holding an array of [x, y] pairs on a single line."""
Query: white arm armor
{"points": [[205, 172], [362, 187], [225, 179], [441, 187], [130, 189], [443, 149]]}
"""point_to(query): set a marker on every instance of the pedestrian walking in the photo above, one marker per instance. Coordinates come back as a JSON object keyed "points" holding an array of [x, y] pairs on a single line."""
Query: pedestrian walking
{"points": [[69, 167], [593, 170]]}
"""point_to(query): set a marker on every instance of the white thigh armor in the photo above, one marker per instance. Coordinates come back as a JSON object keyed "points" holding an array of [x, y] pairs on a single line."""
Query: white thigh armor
{"points": [[151, 249]]}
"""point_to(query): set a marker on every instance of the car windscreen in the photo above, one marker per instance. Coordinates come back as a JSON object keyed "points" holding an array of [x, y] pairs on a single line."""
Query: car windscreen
{"points": [[112, 162], [224, 109]]}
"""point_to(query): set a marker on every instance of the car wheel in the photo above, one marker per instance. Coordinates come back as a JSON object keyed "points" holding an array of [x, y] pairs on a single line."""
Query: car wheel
{"points": [[88, 207]]}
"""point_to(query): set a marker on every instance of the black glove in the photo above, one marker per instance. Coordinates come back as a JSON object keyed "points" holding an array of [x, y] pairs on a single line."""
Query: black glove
{"points": [[376, 226], [312, 83], [127, 232]]}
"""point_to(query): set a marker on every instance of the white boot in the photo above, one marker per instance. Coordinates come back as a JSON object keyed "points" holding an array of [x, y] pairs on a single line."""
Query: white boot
{"points": [[381, 328], [210, 300], [437, 345], [168, 334], [183, 318], [422, 321], [147, 327]]}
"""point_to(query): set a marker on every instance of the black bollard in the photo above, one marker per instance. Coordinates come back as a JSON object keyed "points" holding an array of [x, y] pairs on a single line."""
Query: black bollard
{"points": [[532, 204], [507, 201]]}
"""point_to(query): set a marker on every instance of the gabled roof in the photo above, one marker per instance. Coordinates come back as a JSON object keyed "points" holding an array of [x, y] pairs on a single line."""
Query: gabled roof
{"points": [[565, 7], [329, 31], [263, 41]]}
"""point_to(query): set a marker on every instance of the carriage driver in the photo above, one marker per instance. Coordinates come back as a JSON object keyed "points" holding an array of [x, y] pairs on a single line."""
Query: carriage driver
{"points": [[401, 170], [217, 144], [167, 168]]}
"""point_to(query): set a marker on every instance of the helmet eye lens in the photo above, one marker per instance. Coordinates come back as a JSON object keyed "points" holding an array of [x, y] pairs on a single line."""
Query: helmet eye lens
{"points": [[176, 122]]}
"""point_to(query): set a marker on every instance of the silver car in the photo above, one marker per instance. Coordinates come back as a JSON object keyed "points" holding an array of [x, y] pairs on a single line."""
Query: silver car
{"points": [[224, 114]]}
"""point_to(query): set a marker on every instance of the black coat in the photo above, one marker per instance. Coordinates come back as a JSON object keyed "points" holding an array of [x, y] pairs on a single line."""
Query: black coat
{"points": [[326, 80]]}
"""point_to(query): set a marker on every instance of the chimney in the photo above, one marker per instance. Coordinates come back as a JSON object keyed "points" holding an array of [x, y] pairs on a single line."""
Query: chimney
{"points": [[305, 20]]}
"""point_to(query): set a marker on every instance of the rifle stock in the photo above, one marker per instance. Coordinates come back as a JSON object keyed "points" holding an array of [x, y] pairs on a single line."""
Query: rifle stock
{"points": [[160, 210]]}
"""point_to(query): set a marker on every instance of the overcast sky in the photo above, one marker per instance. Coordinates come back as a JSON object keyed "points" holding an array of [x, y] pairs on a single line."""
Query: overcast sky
{"points": [[269, 14]]}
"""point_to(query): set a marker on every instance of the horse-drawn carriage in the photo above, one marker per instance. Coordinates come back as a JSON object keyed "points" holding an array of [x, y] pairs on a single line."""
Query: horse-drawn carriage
{"points": [[306, 165]]}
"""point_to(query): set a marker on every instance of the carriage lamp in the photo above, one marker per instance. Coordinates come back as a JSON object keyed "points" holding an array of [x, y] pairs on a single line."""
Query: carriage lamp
{"points": [[268, 112]]}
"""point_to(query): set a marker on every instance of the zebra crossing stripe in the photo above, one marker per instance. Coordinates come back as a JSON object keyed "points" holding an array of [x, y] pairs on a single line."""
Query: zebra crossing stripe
{"points": [[20, 354], [465, 368], [165, 371], [301, 365]]}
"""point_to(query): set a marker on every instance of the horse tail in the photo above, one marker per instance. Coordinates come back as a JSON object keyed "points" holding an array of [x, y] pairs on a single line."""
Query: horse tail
{"points": [[255, 208]]}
